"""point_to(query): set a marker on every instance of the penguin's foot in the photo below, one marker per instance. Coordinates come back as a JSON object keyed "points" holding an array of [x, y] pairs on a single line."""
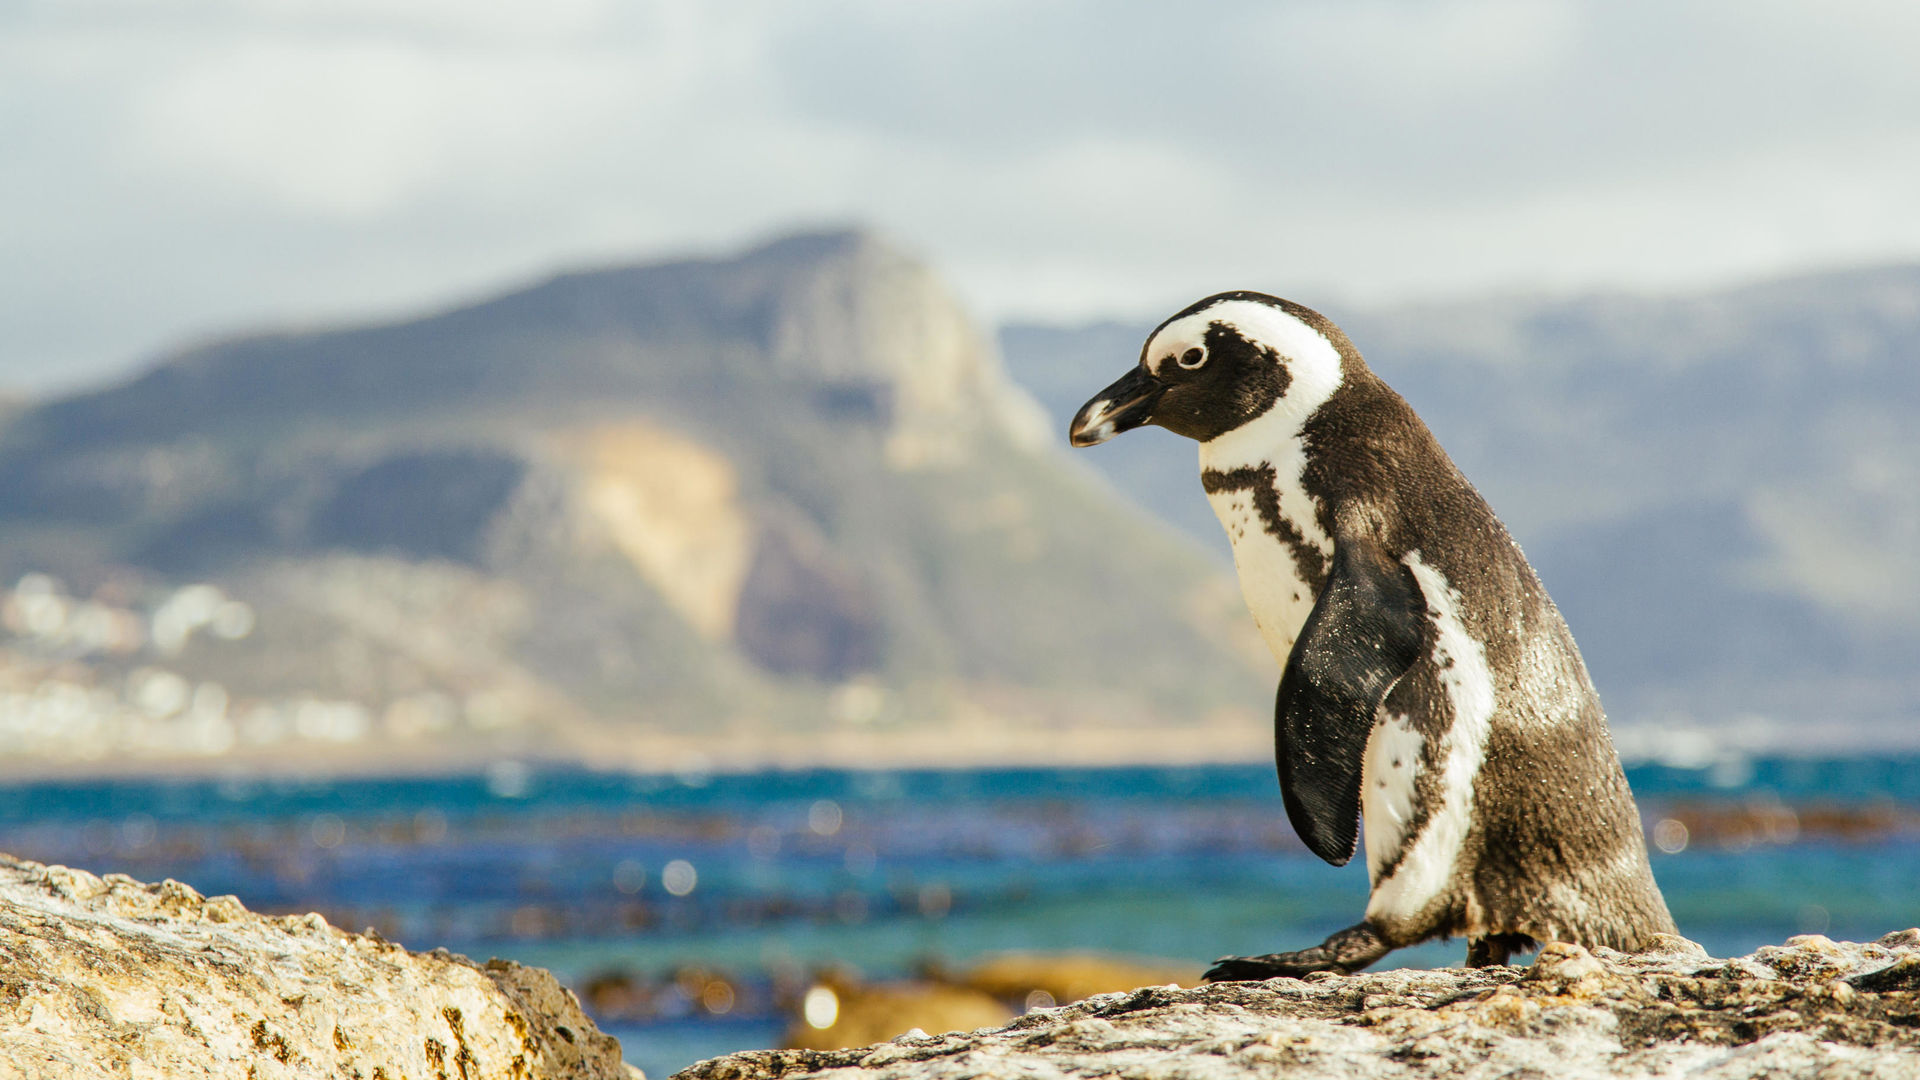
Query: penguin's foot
{"points": [[1494, 949], [1345, 952]]}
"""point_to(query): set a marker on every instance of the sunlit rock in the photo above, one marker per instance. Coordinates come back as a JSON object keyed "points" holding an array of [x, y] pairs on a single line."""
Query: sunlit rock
{"points": [[112, 977], [842, 1012], [1068, 977], [1811, 1007]]}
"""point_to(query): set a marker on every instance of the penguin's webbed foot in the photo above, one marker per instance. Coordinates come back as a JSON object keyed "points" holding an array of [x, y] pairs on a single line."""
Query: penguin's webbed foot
{"points": [[1272, 966], [1345, 952]]}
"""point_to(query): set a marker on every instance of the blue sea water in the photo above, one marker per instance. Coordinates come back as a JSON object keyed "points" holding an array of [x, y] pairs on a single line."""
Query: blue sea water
{"points": [[624, 884]]}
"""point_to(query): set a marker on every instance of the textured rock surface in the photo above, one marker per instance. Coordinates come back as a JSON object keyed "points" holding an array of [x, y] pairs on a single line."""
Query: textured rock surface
{"points": [[109, 977], [1810, 1008]]}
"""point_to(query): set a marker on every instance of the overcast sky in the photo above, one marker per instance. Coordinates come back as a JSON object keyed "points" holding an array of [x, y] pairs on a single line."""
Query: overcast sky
{"points": [[172, 170]]}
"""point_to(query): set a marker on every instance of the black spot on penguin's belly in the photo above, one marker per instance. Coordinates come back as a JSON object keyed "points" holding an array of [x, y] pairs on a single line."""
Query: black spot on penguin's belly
{"points": [[1263, 484]]}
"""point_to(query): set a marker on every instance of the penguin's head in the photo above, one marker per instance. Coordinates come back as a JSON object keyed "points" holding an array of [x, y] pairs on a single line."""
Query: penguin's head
{"points": [[1217, 366]]}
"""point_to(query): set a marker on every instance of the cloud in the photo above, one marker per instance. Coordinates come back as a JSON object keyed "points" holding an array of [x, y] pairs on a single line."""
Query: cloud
{"points": [[355, 127], [510, 21], [190, 166]]}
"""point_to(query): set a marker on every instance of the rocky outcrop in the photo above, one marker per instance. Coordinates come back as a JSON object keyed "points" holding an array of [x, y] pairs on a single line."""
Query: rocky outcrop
{"points": [[842, 1012], [680, 510], [1812, 1007], [109, 977]]}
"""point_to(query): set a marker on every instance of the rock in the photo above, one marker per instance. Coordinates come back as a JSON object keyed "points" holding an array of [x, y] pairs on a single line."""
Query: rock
{"points": [[113, 977], [856, 1015], [988, 994], [1067, 977], [1811, 1007]]}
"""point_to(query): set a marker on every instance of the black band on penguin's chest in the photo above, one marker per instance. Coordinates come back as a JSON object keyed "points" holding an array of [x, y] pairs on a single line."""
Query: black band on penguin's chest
{"points": [[1262, 482]]}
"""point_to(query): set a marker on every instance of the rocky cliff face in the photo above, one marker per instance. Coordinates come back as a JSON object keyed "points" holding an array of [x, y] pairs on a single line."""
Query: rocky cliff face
{"points": [[112, 977], [1812, 1007], [791, 489]]}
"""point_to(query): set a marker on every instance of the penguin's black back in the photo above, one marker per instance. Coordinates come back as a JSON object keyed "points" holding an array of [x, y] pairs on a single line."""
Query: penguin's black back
{"points": [[1555, 850]]}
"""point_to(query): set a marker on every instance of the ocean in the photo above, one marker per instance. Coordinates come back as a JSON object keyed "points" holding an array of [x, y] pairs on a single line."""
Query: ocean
{"points": [[643, 892]]}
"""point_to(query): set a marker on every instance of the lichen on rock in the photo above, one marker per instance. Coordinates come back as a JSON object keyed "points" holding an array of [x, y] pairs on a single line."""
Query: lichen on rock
{"points": [[1811, 1007], [108, 976]]}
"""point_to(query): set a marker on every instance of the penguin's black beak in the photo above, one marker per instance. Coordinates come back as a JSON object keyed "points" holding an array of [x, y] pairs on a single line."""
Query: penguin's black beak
{"points": [[1125, 405]]}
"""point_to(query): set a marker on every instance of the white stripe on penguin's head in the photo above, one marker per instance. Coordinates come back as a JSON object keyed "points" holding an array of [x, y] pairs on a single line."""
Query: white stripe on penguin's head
{"points": [[1257, 331], [1312, 361]]}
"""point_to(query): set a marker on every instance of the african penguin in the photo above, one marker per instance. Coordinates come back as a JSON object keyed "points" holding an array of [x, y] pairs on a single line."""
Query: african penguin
{"points": [[1428, 684]]}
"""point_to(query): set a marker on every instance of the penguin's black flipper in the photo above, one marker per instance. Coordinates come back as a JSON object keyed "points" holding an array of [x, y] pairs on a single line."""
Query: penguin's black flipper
{"points": [[1364, 632]]}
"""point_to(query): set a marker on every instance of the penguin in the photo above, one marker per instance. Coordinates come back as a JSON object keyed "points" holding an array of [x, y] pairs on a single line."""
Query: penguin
{"points": [[1429, 687]]}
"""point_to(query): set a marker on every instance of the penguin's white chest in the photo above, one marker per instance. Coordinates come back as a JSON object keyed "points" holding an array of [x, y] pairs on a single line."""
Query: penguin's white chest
{"points": [[1273, 525], [1278, 593]]}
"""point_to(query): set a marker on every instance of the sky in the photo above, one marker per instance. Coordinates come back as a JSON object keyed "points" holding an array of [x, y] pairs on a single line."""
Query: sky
{"points": [[175, 170]]}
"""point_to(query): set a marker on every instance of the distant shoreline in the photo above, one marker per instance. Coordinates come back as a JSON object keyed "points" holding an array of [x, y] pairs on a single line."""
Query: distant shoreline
{"points": [[733, 753], [857, 749]]}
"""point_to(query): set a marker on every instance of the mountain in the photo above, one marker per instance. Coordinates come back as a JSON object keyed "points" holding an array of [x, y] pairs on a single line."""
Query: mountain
{"points": [[1721, 491], [735, 508]]}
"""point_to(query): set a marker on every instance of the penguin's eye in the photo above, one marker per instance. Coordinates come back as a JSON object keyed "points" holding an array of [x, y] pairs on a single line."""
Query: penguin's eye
{"points": [[1193, 358]]}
